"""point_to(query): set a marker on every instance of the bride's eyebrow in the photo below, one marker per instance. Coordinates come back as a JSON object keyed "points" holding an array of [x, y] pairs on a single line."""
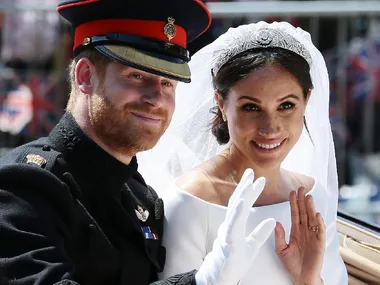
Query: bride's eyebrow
{"points": [[287, 97], [259, 101], [249, 98]]}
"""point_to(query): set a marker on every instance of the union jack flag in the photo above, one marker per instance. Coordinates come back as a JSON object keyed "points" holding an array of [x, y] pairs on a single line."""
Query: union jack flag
{"points": [[31, 103]]}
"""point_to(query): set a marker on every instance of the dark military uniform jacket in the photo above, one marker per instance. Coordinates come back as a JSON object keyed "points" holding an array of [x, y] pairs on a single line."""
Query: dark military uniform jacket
{"points": [[72, 214]]}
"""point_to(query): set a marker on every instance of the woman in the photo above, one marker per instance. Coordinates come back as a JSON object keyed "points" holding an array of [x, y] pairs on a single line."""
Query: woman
{"points": [[270, 86]]}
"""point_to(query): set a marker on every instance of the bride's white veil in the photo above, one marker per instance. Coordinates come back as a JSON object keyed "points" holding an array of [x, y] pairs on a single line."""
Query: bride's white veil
{"points": [[188, 140]]}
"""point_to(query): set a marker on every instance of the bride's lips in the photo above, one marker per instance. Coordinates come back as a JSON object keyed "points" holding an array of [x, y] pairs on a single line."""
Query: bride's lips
{"points": [[147, 118], [268, 146]]}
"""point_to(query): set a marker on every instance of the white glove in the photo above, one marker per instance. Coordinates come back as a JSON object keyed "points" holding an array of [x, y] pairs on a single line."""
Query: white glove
{"points": [[233, 253]]}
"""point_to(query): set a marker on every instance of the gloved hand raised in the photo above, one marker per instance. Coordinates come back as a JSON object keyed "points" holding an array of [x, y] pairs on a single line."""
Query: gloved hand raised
{"points": [[233, 253]]}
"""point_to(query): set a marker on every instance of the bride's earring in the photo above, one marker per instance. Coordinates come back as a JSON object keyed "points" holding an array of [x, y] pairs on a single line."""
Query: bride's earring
{"points": [[224, 117]]}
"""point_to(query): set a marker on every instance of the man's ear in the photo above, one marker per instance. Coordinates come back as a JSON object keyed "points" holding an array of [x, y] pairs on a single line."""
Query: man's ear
{"points": [[85, 76]]}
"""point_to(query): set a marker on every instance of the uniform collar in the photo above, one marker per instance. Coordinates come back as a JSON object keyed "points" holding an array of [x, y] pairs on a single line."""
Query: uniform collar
{"points": [[87, 160]]}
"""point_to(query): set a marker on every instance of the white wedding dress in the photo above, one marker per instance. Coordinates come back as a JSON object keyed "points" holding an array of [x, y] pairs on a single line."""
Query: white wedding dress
{"points": [[191, 226]]}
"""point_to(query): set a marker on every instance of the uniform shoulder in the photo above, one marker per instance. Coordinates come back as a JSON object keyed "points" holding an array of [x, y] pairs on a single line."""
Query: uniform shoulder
{"points": [[35, 167], [40, 154]]}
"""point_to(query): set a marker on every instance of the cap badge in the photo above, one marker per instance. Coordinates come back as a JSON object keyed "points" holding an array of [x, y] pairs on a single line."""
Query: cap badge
{"points": [[86, 41], [169, 29], [35, 159], [142, 214]]}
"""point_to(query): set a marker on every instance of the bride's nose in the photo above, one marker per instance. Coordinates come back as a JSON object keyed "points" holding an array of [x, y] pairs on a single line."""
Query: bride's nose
{"points": [[269, 125]]}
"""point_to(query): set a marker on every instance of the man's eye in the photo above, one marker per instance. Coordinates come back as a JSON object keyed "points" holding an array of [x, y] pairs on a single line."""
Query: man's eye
{"points": [[137, 75], [167, 84]]}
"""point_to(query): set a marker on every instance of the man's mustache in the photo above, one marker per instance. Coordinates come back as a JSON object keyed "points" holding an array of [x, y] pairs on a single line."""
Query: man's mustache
{"points": [[157, 112]]}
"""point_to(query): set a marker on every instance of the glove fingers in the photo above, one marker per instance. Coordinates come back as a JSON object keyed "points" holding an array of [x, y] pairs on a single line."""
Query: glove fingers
{"points": [[248, 194], [239, 193], [247, 177], [230, 223], [240, 204], [260, 234], [254, 191]]}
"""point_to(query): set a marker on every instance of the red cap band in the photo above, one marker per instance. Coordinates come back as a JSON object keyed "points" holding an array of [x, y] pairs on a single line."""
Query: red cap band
{"points": [[143, 28]]}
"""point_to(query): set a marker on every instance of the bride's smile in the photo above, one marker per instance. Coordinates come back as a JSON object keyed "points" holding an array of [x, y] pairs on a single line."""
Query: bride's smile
{"points": [[269, 146]]}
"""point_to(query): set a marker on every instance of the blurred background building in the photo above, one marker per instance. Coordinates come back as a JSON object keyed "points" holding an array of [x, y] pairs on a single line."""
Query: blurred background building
{"points": [[35, 49]]}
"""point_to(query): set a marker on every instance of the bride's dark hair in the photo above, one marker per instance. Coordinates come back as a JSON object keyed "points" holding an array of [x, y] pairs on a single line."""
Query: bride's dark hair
{"points": [[241, 65]]}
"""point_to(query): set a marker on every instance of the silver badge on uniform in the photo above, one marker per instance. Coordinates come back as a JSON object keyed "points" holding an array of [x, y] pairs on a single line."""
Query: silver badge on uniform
{"points": [[142, 214]]}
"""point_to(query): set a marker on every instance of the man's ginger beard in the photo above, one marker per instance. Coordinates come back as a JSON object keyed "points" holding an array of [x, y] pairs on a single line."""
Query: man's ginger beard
{"points": [[119, 130]]}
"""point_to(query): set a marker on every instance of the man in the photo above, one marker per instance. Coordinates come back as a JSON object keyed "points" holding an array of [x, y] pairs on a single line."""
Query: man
{"points": [[73, 208]]}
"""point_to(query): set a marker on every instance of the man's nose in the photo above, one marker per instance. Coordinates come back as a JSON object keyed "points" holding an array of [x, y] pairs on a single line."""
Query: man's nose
{"points": [[153, 94]]}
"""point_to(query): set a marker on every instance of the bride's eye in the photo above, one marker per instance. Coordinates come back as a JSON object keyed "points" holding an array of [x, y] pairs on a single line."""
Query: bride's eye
{"points": [[286, 106], [250, 108]]}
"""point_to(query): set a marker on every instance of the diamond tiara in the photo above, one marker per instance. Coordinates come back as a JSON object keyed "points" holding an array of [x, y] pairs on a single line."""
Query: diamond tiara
{"points": [[263, 38]]}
